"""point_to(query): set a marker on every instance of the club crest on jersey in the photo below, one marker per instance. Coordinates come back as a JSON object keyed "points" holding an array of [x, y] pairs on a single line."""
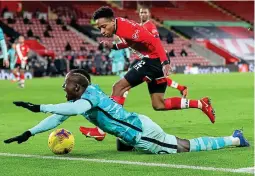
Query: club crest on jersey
{"points": [[135, 35], [154, 31]]}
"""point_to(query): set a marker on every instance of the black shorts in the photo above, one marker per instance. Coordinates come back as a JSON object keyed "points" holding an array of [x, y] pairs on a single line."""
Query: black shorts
{"points": [[148, 70], [133, 63], [20, 66], [1, 64]]}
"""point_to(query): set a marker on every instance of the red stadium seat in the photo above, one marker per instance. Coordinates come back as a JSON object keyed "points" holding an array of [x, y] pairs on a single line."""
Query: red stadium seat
{"points": [[184, 10], [60, 37], [244, 9]]}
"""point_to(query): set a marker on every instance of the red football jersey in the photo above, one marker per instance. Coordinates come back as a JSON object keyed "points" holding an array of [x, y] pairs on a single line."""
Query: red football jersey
{"points": [[151, 28], [21, 52], [137, 37]]}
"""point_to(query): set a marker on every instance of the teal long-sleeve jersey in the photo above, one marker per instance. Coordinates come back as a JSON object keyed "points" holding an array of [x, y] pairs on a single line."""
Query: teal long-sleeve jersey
{"points": [[100, 110]]}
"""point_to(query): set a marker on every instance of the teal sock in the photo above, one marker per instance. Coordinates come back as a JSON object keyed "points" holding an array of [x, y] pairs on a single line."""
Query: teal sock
{"points": [[210, 143]]}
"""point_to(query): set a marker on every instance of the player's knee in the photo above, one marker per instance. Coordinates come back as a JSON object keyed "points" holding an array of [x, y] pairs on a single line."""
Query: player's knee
{"points": [[183, 145], [158, 107], [157, 101], [121, 147]]}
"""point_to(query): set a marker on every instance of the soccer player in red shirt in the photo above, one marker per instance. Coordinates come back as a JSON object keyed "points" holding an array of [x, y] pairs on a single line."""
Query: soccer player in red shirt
{"points": [[22, 51], [152, 68], [144, 14]]}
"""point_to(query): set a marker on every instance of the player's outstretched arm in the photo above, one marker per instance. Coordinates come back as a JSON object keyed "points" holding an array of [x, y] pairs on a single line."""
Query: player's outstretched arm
{"points": [[70, 108], [45, 125]]}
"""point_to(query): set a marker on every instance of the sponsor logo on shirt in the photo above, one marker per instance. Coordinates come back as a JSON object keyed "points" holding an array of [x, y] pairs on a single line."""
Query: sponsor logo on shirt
{"points": [[135, 35]]}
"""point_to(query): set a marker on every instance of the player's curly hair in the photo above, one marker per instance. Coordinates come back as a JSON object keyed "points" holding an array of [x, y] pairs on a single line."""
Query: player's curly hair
{"points": [[103, 12]]}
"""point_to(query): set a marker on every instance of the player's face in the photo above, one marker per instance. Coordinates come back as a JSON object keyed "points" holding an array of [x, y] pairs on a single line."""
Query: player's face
{"points": [[21, 39], [144, 15], [69, 87], [106, 26]]}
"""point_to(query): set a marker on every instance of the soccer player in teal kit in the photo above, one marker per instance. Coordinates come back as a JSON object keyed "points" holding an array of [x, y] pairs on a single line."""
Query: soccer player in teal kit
{"points": [[119, 58], [134, 129], [12, 60], [3, 46]]}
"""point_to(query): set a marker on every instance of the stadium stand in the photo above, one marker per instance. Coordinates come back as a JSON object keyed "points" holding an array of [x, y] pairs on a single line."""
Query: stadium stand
{"points": [[243, 9], [87, 8], [185, 11], [178, 60], [174, 11], [59, 37], [131, 14]]}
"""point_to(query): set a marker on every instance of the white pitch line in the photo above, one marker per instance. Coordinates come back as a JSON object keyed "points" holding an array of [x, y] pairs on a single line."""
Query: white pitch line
{"points": [[248, 169], [176, 166]]}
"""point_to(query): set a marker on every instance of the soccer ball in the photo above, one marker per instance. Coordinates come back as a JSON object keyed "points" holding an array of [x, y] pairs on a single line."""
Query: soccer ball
{"points": [[61, 141]]}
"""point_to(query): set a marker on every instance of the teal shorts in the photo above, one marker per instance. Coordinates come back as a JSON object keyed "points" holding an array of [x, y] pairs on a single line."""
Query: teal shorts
{"points": [[118, 66], [12, 65], [154, 140]]}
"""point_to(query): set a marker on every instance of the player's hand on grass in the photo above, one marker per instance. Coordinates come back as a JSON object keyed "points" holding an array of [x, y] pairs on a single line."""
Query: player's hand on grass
{"points": [[30, 106], [19, 139]]}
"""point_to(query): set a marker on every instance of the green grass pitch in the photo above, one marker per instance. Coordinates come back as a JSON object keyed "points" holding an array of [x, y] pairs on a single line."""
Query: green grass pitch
{"points": [[232, 97]]}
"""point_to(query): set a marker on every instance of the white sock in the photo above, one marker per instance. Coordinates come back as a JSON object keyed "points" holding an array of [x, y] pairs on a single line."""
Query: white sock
{"points": [[199, 104], [100, 131]]}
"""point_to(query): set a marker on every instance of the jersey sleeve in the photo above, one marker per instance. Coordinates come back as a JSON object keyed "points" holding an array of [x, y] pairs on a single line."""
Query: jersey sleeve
{"points": [[127, 29], [152, 28], [133, 31], [155, 32], [160, 50], [27, 49], [121, 46], [70, 108], [48, 123]]}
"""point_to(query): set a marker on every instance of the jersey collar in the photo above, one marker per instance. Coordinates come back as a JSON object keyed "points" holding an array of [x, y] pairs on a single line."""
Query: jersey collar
{"points": [[145, 22]]}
